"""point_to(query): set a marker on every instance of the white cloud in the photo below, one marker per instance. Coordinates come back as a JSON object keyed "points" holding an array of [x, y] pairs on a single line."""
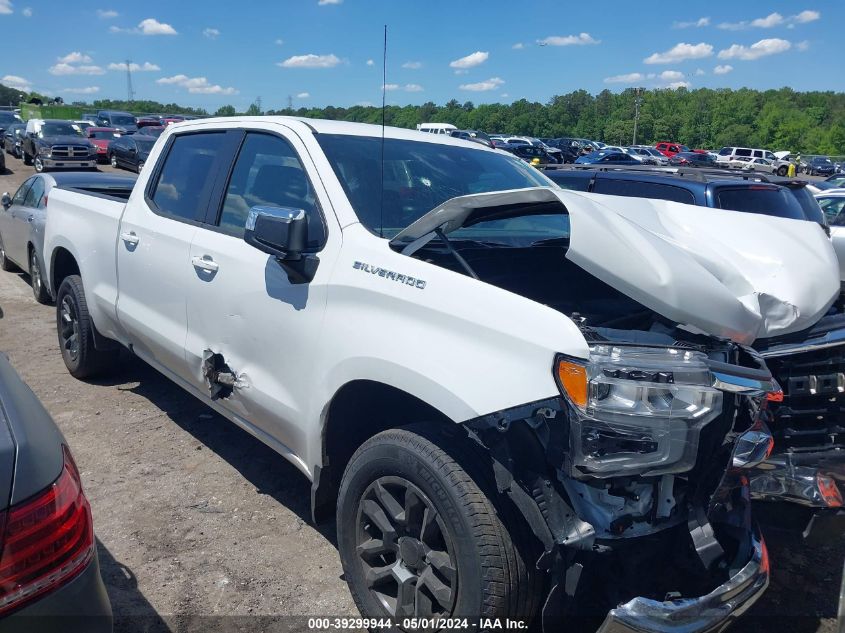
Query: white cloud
{"points": [[63, 68], [680, 52], [303, 95], [504, 95], [106, 14], [279, 41], [370, 62], [196, 85], [482, 86], [390, 87], [699, 72], [802, 46], [135, 68], [310, 61], [763, 48], [471, 60], [700, 22], [75, 58], [629, 78], [151, 26], [210, 33], [412, 65], [518, 46], [722, 69], [679, 84], [325, 2], [89, 90], [568, 40], [16, 82], [413, 88], [772, 20], [6, 9], [671, 75], [27, 12]]}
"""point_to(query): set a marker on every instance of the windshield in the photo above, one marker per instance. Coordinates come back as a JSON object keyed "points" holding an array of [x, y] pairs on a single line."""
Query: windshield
{"points": [[418, 176], [59, 129], [122, 119]]}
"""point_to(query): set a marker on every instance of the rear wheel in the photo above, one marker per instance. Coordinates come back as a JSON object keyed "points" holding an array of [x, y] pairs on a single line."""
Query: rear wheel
{"points": [[422, 532], [36, 280], [76, 332], [113, 161], [783, 170]]}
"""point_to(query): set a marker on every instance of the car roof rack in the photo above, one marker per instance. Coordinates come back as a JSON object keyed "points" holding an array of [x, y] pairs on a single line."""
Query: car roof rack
{"points": [[699, 174]]}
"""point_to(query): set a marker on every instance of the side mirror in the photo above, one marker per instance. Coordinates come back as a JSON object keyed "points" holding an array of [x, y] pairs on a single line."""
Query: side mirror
{"points": [[6, 200], [283, 233]]}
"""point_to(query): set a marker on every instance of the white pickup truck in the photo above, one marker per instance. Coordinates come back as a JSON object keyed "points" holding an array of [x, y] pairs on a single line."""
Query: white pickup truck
{"points": [[519, 401]]}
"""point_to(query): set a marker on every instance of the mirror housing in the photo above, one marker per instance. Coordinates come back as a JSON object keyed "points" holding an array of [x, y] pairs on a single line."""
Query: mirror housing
{"points": [[6, 200], [283, 233]]}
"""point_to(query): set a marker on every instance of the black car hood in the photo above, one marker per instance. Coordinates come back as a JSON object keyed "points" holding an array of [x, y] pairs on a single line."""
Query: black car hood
{"points": [[30, 442], [66, 139]]}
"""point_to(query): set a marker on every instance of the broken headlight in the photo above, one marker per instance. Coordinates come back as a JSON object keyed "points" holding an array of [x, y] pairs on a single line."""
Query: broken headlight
{"points": [[636, 410]]}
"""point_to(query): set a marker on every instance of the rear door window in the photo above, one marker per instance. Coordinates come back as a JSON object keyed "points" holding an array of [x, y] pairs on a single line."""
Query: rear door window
{"points": [[640, 189], [742, 151], [186, 176], [833, 208], [725, 151], [762, 199], [20, 194]]}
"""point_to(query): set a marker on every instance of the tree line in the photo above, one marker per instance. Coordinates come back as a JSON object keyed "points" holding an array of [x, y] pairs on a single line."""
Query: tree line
{"points": [[808, 122]]}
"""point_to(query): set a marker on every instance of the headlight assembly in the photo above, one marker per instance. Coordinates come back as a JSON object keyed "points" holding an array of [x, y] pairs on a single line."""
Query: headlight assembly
{"points": [[45, 150], [636, 410]]}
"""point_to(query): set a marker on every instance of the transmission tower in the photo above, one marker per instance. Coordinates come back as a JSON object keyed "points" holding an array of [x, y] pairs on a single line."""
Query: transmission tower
{"points": [[129, 90]]}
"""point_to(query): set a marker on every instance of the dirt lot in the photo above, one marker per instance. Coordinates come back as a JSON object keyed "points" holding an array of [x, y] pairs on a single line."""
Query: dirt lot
{"points": [[195, 519]]}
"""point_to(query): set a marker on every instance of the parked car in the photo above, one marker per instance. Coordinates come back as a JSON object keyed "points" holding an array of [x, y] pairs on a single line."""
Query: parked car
{"points": [[150, 120], [819, 166], [837, 180], [669, 149], [472, 135], [56, 144], [50, 576], [806, 471], [152, 131], [569, 149], [90, 116], [530, 153], [130, 152], [558, 448], [13, 138], [123, 121], [729, 154], [603, 157], [24, 215], [691, 159], [101, 137], [750, 164], [8, 119], [83, 125]]}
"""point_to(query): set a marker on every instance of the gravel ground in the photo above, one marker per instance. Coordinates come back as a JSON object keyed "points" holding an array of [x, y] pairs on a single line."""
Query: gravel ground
{"points": [[196, 519]]}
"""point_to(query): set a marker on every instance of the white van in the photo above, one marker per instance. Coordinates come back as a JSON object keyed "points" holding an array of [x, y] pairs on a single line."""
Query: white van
{"points": [[728, 154], [436, 128]]}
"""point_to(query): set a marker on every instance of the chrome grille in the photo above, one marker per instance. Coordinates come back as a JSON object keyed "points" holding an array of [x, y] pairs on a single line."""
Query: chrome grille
{"points": [[70, 151]]}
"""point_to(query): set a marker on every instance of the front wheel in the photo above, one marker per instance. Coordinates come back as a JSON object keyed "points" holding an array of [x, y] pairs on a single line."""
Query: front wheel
{"points": [[113, 161], [423, 533], [36, 280], [39, 164], [783, 170], [140, 166], [76, 332]]}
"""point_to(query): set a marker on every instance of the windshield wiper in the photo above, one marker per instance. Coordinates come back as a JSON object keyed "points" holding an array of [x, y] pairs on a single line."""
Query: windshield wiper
{"points": [[551, 241], [439, 232]]}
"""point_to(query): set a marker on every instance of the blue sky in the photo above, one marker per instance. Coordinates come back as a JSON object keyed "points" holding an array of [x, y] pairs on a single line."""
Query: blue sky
{"points": [[328, 52]]}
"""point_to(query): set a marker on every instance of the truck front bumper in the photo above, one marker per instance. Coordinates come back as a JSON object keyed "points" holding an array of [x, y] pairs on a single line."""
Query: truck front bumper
{"points": [[66, 163], [706, 614]]}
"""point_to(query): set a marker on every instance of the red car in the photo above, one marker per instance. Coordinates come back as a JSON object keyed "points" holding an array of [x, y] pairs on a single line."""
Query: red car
{"points": [[668, 148], [101, 137]]}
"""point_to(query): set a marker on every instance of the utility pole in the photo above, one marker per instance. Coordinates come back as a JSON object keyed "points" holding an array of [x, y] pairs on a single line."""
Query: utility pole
{"points": [[637, 101], [258, 103], [129, 90], [290, 102]]}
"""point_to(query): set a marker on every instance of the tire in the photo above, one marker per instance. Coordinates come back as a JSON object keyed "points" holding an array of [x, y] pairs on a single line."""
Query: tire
{"points": [[113, 161], [5, 263], [783, 170], [36, 280], [480, 544], [140, 167], [76, 332], [39, 165]]}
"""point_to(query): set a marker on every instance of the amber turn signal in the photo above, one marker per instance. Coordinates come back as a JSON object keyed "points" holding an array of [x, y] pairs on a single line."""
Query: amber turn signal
{"points": [[572, 379]]}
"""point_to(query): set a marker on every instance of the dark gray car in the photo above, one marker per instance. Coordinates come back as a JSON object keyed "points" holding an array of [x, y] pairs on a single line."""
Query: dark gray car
{"points": [[23, 217], [49, 573]]}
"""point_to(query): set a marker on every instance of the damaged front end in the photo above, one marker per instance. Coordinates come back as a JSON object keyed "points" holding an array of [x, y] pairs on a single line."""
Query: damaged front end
{"points": [[641, 464]]}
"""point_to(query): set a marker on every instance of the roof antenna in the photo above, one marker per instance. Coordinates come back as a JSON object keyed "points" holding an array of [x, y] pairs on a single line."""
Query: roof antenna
{"points": [[383, 105]]}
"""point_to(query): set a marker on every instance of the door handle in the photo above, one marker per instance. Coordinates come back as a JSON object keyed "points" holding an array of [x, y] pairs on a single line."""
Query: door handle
{"points": [[130, 238], [205, 263]]}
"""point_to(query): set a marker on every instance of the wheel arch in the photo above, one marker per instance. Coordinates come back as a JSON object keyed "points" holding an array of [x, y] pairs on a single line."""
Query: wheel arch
{"points": [[359, 410], [63, 263]]}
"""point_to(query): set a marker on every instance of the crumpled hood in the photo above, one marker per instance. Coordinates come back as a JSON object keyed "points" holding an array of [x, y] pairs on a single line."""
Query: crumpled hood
{"points": [[729, 274], [738, 275]]}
